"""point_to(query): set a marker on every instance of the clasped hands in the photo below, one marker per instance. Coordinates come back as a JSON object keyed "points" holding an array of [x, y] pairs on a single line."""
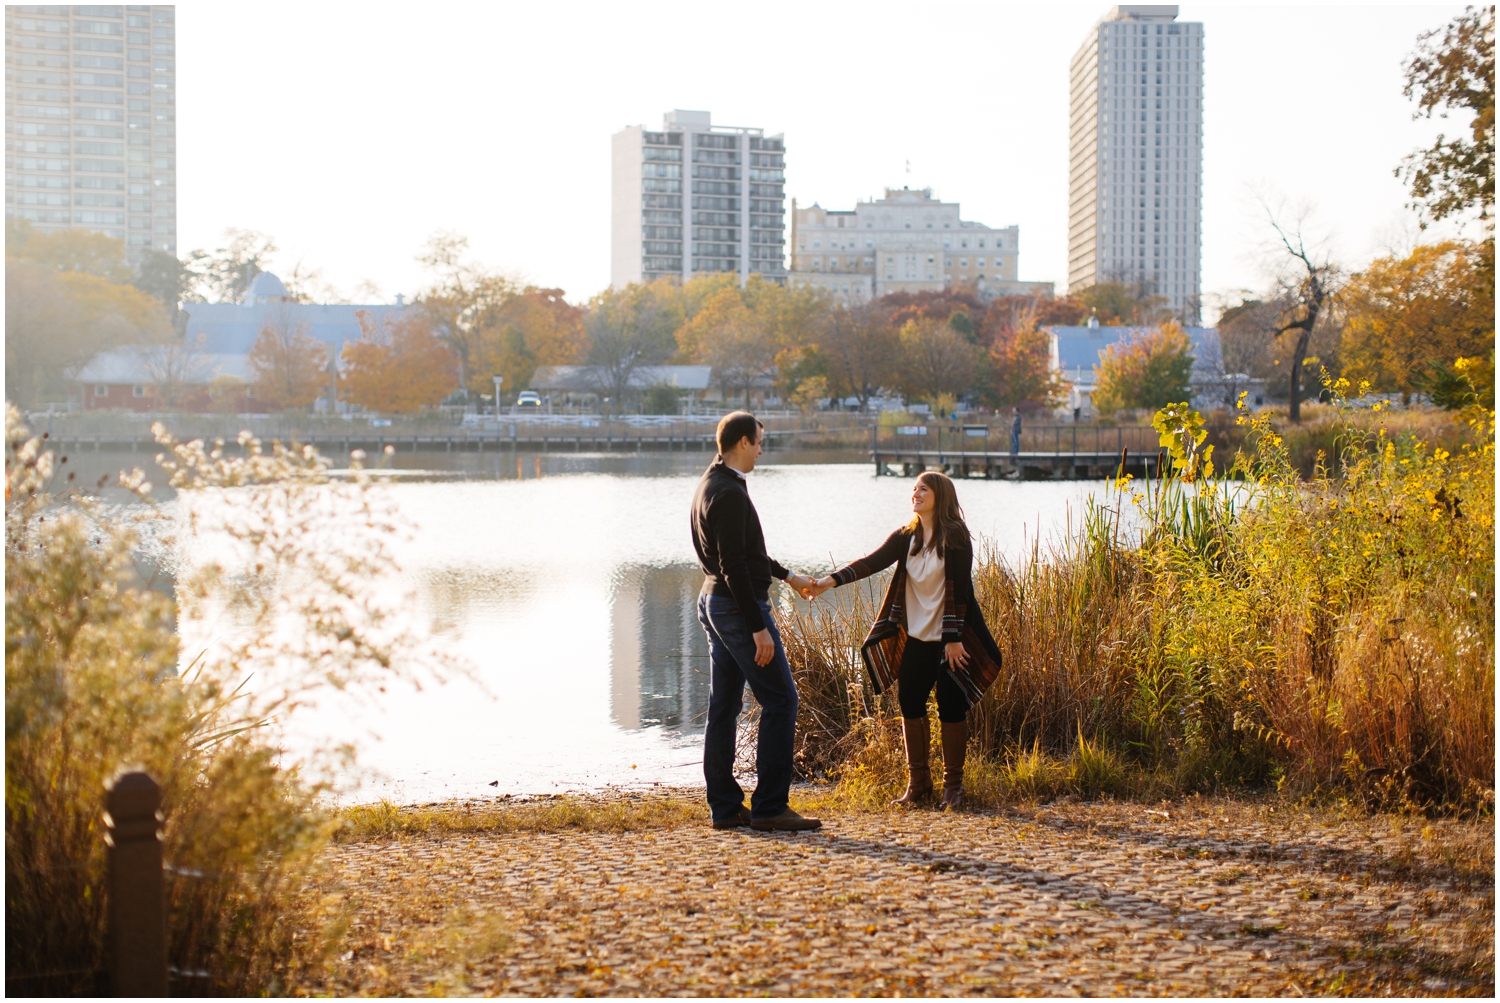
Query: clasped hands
{"points": [[810, 588]]}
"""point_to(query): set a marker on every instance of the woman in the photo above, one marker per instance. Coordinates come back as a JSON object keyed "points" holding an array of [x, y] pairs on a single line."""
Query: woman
{"points": [[929, 632]]}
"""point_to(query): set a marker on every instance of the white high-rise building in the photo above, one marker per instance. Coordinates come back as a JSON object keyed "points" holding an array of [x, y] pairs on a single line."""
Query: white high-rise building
{"points": [[1135, 158], [91, 121], [696, 198]]}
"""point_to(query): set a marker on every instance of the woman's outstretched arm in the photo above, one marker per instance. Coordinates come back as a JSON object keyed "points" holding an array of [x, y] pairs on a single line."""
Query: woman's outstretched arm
{"points": [[884, 556]]}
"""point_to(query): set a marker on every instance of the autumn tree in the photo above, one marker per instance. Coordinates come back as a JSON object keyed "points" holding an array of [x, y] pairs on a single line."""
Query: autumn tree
{"points": [[398, 364], [735, 340], [1307, 286], [174, 371], [862, 351], [1123, 303], [1044, 311], [631, 328], [65, 302], [1407, 315], [226, 272], [936, 360], [1453, 71], [456, 305], [1150, 369], [526, 329], [1020, 368], [161, 275], [84, 252], [288, 366]]}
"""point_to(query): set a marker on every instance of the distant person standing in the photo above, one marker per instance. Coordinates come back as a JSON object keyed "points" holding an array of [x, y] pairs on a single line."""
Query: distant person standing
{"points": [[743, 642], [1015, 434]]}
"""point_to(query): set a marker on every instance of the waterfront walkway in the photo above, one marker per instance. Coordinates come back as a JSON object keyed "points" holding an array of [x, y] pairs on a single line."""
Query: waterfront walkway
{"points": [[1198, 897]]}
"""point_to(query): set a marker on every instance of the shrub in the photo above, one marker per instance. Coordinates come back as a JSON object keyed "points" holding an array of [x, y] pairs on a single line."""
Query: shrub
{"points": [[1332, 633], [96, 683]]}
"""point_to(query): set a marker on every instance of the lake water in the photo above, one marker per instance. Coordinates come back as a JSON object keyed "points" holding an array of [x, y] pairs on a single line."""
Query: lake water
{"points": [[570, 591], [566, 584]]}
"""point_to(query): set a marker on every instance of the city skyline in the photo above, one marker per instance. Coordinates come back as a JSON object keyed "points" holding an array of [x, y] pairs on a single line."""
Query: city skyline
{"points": [[999, 146]]}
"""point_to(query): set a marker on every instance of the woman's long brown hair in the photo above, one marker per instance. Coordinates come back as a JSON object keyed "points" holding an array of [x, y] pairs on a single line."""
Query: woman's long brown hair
{"points": [[948, 527]]}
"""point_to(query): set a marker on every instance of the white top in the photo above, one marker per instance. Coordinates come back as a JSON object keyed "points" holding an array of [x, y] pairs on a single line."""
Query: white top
{"points": [[924, 595]]}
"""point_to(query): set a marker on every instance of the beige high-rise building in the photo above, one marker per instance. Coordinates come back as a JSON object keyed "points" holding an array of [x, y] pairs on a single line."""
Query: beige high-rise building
{"points": [[696, 198], [1135, 157], [905, 242], [91, 121]]}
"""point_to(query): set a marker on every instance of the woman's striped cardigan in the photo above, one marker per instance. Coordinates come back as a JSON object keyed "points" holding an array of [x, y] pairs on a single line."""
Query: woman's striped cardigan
{"points": [[962, 619]]}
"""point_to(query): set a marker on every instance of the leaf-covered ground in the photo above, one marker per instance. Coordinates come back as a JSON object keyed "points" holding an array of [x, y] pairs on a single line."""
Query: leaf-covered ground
{"points": [[1197, 897]]}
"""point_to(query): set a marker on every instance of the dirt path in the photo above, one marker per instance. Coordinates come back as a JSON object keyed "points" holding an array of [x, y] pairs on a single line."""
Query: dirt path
{"points": [[1201, 897]]}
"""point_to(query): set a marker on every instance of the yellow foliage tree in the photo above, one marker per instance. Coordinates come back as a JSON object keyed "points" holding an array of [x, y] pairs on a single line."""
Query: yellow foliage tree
{"points": [[736, 341], [1148, 370], [1408, 315], [57, 320], [398, 366], [531, 328], [937, 361]]}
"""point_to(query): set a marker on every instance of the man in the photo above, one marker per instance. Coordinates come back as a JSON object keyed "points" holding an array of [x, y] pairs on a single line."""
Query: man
{"points": [[743, 641], [1015, 434]]}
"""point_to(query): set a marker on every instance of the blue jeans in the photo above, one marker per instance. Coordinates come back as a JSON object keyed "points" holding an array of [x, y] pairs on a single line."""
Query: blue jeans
{"points": [[731, 650]]}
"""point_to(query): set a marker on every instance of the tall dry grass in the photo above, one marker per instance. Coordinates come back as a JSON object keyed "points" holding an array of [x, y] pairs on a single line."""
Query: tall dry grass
{"points": [[1331, 634], [95, 684]]}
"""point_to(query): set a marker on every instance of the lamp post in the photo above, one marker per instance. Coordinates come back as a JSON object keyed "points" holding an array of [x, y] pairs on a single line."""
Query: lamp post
{"points": [[498, 380]]}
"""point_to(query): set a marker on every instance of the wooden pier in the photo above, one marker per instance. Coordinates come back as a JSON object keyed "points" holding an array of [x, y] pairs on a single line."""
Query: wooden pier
{"points": [[1053, 452]]}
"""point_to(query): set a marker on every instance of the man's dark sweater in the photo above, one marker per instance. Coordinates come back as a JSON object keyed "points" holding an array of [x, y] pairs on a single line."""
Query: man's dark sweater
{"points": [[731, 547]]}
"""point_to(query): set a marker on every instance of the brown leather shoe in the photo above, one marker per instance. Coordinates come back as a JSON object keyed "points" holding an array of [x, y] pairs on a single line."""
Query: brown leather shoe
{"points": [[787, 821], [955, 745], [916, 732], [736, 821]]}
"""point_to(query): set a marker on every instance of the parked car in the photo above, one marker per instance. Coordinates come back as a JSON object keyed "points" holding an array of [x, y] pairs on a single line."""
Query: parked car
{"points": [[529, 398]]}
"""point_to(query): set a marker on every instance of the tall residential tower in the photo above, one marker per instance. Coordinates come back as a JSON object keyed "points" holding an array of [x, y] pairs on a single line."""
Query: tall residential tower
{"points": [[1135, 157], [696, 198], [91, 121]]}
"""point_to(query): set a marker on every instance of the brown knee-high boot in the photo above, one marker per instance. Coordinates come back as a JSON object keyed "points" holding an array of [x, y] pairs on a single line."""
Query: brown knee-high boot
{"points": [[917, 733], [955, 744]]}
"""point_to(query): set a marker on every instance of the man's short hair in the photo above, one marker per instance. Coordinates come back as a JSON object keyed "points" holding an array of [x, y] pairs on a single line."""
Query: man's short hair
{"points": [[734, 426]]}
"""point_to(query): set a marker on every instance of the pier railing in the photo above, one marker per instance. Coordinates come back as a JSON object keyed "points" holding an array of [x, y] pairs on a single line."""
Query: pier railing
{"points": [[1038, 451]]}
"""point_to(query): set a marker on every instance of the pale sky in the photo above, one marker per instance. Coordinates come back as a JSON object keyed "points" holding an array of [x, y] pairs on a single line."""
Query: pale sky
{"points": [[350, 132]]}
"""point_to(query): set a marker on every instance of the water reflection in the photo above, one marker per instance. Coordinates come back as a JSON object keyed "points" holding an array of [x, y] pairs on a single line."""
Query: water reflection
{"points": [[658, 653], [571, 597]]}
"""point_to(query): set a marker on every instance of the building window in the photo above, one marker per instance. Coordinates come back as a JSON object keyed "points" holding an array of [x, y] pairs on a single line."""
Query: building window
{"points": [[139, 390], [100, 390]]}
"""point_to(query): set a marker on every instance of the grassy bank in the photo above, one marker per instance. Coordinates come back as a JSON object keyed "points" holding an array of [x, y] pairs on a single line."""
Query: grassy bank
{"points": [[1330, 635]]}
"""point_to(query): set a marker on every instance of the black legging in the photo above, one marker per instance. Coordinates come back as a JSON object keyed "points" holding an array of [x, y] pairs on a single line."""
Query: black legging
{"points": [[921, 666]]}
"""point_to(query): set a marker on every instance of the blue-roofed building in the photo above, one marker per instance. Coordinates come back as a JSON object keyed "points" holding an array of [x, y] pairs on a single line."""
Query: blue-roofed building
{"points": [[231, 328], [1077, 352]]}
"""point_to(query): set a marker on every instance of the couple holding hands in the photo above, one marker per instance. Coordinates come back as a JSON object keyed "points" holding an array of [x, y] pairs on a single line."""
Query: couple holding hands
{"points": [[928, 634]]}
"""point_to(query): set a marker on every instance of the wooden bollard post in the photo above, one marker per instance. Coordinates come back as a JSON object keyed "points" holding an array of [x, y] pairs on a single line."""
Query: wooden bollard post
{"points": [[137, 901]]}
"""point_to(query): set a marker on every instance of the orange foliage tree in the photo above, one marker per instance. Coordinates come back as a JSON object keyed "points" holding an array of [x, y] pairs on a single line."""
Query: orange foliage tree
{"points": [[1020, 370], [288, 366], [398, 365], [535, 327]]}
